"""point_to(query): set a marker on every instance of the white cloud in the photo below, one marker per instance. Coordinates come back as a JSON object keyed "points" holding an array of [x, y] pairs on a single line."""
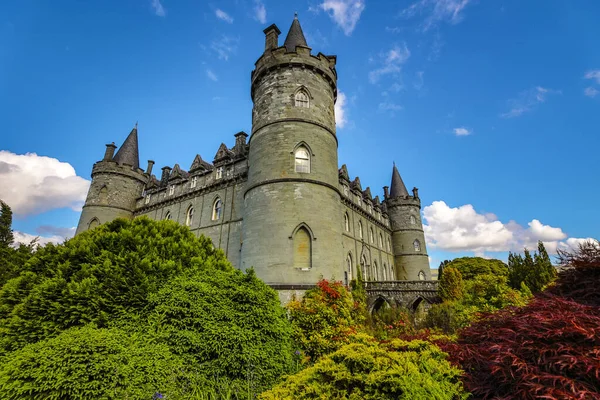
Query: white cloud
{"points": [[528, 100], [390, 62], [211, 75], [345, 13], [464, 229], [223, 16], [462, 131], [225, 46], [260, 12], [593, 74], [45, 234], [158, 8], [591, 91], [32, 184], [436, 11], [386, 106], [340, 110]]}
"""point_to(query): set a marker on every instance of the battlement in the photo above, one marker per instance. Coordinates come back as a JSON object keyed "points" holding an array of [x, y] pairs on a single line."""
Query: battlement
{"points": [[403, 201], [113, 167]]}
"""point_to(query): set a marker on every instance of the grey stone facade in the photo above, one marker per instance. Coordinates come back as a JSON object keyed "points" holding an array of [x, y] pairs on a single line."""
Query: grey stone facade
{"points": [[277, 202]]}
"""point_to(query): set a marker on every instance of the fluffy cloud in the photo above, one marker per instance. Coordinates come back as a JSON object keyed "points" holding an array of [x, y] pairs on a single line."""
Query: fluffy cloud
{"points": [[32, 184], [528, 100], [593, 74], [386, 106], [46, 234], [340, 110], [464, 229], [390, 62], [590, 91], [260, 12], [223, 16], [211, 75], [462, 131], [436, 11], [158, 8], [225, 46], [345, 13]]}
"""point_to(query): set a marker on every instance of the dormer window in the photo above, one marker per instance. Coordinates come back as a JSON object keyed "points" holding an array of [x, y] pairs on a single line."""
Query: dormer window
{"points": [[219, 173], [171, 190], [370, 209], [302, 160], [301, 99], [147, 200], [346, 191], [194, 182]]}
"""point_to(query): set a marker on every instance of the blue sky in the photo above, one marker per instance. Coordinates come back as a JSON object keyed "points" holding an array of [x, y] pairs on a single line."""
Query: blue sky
{"points": [[491, 108]]}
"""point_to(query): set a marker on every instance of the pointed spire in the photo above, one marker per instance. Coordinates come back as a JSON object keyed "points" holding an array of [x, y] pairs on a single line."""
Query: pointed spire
{"points": [[295, 37], [128, 153], [398, 189]]}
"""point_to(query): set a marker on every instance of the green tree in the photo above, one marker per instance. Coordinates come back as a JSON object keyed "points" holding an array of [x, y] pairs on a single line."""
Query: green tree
{"points": [[451, 286], [12, 259], [470, 267], [6, 233], [371, 371], [535, 271]]}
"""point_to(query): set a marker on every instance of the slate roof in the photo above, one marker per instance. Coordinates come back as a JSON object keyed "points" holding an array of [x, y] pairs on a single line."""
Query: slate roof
{"points": [[295, 36], [398, 189], [129, 153]]}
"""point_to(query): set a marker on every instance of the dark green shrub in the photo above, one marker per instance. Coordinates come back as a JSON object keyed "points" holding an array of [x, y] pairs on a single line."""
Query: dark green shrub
{"points": [[451, 285], [470, 267]]}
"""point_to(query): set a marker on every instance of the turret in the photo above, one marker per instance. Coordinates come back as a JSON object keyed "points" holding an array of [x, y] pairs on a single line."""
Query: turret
{"points": [[117, 182], [291, 228], [408, 240]]}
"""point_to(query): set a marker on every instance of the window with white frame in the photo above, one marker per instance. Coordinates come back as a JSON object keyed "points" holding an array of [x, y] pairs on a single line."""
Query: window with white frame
{"points": [[219, 173], [217, 209], [360, 229], [417, 245], [171, 190], [189, 216], [302, 160], [301, 99], [194, 182], [346, 222], [147, 200]]}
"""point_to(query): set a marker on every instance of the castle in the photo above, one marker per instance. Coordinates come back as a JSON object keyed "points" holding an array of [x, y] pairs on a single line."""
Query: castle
{"points": [[278, 201]]}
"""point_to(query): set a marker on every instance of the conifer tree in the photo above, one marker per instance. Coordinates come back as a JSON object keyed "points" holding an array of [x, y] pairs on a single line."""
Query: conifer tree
{"points": [[6, 233], [451, 286]]}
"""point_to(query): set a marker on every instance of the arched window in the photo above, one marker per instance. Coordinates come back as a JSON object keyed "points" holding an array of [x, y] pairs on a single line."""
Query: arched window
{"points": [[389, 247], [392, 272], [417, 245], [422, 276], [380, 240], [348, 272], [384, 270], [189, 216], [302, 249], [371, 235], [363, 267], [301, 99], [93, 223], [375, 271], [346, 222], [413, 220], [103, 195], [217, 209], [346, 191], [168, 215], [302, 160], [360, 231]]}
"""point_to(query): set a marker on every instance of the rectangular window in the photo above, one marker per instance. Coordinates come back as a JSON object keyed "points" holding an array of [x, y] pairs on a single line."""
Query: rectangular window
{"points": [[219, 173], [147, 199], [194, 182], [171, 190]]}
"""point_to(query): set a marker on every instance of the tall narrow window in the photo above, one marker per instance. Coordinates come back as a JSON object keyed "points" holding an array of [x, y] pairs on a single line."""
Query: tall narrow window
{"points": [[189, 216], [168, 215], [381, 240], [363, 267], [371, 236], [417, 245], [302, 160], [147, 199], [103, 195], [413, 220], [301, 99], [217, 209], [348, 274], [194, 182], [360, 231], [384, 271], [389, 247], [375, 271], [219, 173], [346, 222], [302, 249], [422, 276]]}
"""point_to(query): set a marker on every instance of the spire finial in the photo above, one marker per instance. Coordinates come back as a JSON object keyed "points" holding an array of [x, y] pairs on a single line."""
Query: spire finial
{"points": [[295, 14], [136, 124]]}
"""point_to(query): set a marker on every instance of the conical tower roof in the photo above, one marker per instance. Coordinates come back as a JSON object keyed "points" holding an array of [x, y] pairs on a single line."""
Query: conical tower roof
{"points": [[295, 37], [128, 153], [398, 189]]}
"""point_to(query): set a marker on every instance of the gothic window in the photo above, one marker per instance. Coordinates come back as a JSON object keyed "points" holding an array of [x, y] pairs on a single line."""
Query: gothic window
{"points": [[168, 216], [363, 267], [370, 208], [388, 244], [147, 200], [346, 191], [171, 190], [384, 271], [302, 249], [93, 223], [375, 271], [219, 173], [346, 222], [348, 272], [358, 200], [217, 209], [301, 99], [194, 182], [360, 231], [413, 220], [103, 195], [379, 216], [381, 240], [391, 272], [302, 160], [189, 216], [417, 245], [371, 236], [421, 276]]}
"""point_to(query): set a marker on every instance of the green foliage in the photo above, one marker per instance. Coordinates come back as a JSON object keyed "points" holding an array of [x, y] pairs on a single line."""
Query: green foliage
{"points": [[98, 276], [372, 371], [226, 323], [325, 318], [6, 233], [12, 258], [535, 271], [91, 363], [451, 286], [470, 267], [389, 322]]}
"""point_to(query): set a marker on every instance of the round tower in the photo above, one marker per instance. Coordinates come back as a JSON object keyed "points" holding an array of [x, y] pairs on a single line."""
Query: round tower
{"points": [[408, 240], [291, 229], [117, 182]]}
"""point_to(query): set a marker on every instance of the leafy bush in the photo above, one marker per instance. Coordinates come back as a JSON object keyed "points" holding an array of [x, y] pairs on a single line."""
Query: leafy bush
{"points": [[471, 267], [91, 363], [225, 323], [372, 371], [98, 276], [324, 318], [451, 286]]}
